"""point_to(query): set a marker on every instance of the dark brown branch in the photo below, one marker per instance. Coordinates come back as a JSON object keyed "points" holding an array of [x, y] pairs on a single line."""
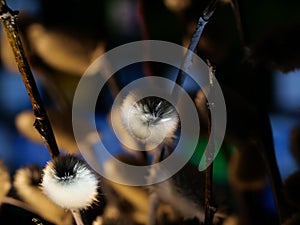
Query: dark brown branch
{"points": [[210, 209], [42, 124], [145, 35], [188, 58], [181, 76]]}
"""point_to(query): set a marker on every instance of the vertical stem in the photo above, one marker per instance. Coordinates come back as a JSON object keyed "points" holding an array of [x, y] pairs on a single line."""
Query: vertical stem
{"points": [[77, 216], [284, 210], [153, 206], [188, 58], [145, 35], [268, 152], [42, 124], [181, 76], [209, 208]]}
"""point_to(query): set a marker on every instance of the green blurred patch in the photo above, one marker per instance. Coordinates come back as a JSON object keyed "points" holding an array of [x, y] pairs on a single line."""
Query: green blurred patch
{"points": [[220, 172]]}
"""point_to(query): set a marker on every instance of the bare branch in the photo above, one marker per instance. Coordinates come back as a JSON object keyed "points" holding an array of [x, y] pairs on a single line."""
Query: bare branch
{"points": [[42, 124], [188, 59], [210, 209]]}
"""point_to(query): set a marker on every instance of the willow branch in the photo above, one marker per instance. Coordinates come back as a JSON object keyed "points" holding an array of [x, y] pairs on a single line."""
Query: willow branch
{"points": [[42, 124], [210, 209], [188, 58], [145, 34], [181, 76]]}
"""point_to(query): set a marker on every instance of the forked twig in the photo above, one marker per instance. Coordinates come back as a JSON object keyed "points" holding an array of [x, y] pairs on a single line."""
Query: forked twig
{"points": [[42, 123]]}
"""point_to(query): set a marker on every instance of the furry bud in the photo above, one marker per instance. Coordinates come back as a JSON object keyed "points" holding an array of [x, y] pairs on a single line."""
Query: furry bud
{"points": [[150, 120], [70, 183]]}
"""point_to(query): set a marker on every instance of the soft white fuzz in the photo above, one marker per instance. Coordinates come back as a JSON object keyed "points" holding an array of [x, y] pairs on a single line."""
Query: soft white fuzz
{"points": [[150, 119], [70, 183], [26, 183]]}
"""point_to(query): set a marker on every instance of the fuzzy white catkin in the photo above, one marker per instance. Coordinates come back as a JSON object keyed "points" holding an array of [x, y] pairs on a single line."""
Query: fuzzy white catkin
{"points": [[34, 197], [76, 191], [145, 126]]}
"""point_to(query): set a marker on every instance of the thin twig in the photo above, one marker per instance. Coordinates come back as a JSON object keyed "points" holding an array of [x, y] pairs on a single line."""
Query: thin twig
{"points": [[145, 35], [77, 217], [188, 59], [42, 124], [181, 76], [268, 154], [210, 209]]}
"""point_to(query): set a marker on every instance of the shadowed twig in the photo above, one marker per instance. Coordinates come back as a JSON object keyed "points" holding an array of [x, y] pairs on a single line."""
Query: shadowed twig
{"points": [[42, 124], [259, 69], [145, 35], [210, 209], [181, 76], [188, 58]]}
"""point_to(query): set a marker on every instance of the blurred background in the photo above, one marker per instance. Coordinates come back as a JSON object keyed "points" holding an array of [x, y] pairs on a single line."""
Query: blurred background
{"points": [[62, 38]]}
